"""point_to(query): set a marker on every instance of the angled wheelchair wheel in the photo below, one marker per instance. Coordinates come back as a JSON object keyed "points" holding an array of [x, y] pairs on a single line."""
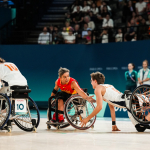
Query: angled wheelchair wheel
{"points": [[28, 121], [5, 109], [140, 104], [76, 109], [63, 125]]}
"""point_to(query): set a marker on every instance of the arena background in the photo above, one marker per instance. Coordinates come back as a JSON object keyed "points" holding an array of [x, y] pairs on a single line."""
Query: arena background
{"points": [[40, 64]]}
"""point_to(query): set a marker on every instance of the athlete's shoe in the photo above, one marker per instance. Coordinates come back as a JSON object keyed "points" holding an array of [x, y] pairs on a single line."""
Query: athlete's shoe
{"points": [[60, 118]]}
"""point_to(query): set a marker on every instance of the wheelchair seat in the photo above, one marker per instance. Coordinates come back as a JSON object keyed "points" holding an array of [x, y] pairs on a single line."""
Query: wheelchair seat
{"points": [[20, 91]]}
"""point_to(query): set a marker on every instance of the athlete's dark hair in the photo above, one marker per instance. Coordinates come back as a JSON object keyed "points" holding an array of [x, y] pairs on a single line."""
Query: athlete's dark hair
{"points": [[2, 60], [98, 76], [61, 71], [132, 65], [146, 62]]}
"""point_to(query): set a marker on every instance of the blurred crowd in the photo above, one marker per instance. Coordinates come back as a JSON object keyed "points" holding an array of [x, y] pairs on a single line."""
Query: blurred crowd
{"points": [[92, 21]]}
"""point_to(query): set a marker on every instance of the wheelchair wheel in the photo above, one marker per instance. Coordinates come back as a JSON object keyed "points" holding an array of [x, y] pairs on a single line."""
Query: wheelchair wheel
{"points": [[140, 104], [140, 129], [5, 109], [25, 121], [53, 104], [76, 109]]}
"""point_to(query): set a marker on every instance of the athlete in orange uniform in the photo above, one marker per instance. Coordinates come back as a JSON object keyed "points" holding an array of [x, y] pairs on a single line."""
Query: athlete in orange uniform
{"points": [[68, 86]]}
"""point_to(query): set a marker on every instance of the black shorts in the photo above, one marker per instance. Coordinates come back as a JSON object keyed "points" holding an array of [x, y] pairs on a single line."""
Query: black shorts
{"points": [[63, 95]]}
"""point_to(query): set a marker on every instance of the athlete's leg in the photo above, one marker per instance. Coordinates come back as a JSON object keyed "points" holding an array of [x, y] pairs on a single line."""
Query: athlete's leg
{"points": [[60, 104]]}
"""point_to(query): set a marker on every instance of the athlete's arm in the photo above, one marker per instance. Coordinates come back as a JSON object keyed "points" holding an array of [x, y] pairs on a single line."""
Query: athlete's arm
{"points": [[99, 101], [112, 111], [56, 88], [76, 87]]}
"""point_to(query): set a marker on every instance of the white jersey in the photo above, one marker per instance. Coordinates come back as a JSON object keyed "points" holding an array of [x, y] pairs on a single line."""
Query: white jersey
{"points": [[10, 73], [112, 95]]}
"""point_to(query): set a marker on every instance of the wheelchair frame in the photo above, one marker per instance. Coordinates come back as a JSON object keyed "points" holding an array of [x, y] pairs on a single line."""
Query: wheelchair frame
{"points": [[57, 124], [12, 95]]}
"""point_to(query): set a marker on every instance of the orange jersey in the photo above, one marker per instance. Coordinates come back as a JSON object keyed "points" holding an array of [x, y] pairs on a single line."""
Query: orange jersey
{"points": [[66, 87]]}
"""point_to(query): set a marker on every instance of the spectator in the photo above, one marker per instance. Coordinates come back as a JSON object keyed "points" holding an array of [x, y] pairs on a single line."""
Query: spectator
{"points": [[107, 22], [84, 32], [128, 10], [91, 24], [135, 38], [148, 8], [89, 37], [64, 32], [142, 28], [90, 2], [75, 9], [78, 16], [140, 7], [94, 9], [57, 36], [68, 18], [85, 7], [105, 4], [131, 77], [99, 3], [119, 36], [131, 30], [144, 74], [104, 36], [45, 37], [148, 22], [67, 26], [70, 38], [104, 12], [133, 17], [93, 17], [77, 32], [51, 29]]}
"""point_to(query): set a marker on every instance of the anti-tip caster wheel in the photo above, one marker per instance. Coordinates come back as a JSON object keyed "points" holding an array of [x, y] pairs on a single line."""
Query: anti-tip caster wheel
{"points": [[48, 127], [34, 130], [9, 130], [58, 127]]}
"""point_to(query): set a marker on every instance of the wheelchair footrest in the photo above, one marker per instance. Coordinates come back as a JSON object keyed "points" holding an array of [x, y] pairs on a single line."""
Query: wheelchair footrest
{"points": [[56, 123]]}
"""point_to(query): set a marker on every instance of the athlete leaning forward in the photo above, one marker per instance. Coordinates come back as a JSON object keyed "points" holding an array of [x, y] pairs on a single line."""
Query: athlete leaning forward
{"points": [[68, 87], [112, 96]]}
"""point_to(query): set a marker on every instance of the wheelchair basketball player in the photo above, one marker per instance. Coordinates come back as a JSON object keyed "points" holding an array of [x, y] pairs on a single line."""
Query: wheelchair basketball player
{"points": [[68, 87], [112, 96], [10, 75]]}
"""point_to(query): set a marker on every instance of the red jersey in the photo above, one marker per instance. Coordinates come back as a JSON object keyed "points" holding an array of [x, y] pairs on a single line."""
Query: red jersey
{"points": [[66, 87]]}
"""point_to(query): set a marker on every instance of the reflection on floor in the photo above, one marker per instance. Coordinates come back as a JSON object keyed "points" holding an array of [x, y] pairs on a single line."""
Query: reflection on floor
{"points": [[99, 138]]}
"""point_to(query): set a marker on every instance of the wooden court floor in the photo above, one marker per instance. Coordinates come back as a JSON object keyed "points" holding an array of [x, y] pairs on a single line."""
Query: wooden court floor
{"points": [[99, 138]]}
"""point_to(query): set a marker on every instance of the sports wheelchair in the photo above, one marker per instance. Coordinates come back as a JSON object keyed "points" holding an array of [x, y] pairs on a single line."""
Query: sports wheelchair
{"points": [[28, 120], [75, 109], [139, 106]]}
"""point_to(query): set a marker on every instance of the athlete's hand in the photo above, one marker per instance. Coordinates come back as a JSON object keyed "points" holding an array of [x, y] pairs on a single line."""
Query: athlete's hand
{"points": [[84, 122], [115, 128], [90, 99]]}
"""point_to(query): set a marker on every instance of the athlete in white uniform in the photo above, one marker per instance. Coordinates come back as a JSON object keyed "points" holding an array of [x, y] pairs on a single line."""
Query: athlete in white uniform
{"points": [[109, 94], [10, 74]]}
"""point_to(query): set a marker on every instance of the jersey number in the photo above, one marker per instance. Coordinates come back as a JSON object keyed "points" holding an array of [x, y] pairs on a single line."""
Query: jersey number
{"points": [[11, 67]]}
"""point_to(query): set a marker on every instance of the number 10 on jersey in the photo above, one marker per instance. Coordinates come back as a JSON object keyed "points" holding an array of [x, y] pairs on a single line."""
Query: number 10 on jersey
{"points": [[20, 105]]}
